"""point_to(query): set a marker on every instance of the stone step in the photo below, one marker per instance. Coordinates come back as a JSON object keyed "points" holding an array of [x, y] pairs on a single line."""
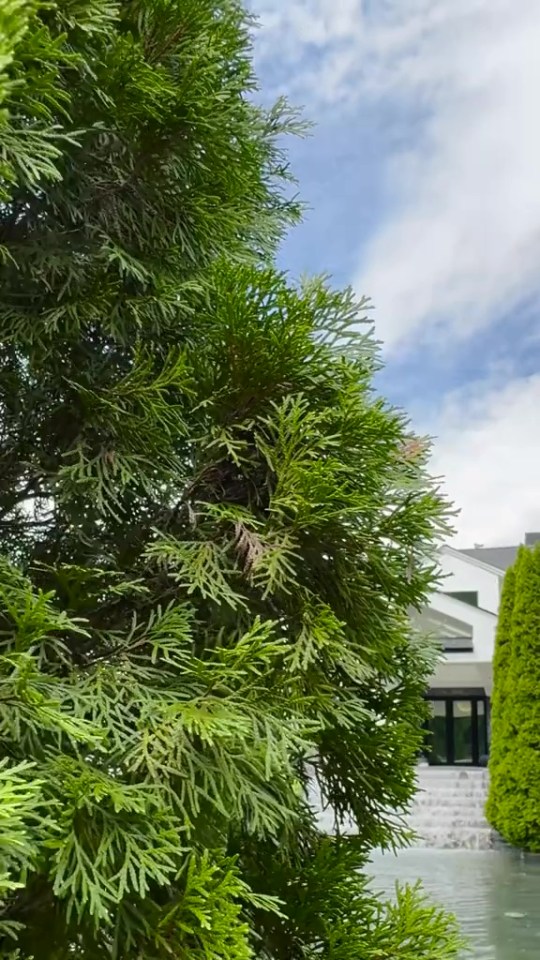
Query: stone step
{"points": [[433, 830], [450, 793], [448, 810], [451, 796], [430, 802], [434, 809], [452, 781], [478, 838], [427, 801], [446, 822], [445, 786], [452, 800], [433, 773], [458, 771], [452, 790], [448, 813], [450, 773]]}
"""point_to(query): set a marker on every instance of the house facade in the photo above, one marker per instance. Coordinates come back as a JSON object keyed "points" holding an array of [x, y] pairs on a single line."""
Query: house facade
{"points": [[463, 615]]}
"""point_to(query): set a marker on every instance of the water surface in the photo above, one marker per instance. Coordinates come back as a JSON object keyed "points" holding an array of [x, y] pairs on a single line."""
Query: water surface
{"points": [[495, 895]]}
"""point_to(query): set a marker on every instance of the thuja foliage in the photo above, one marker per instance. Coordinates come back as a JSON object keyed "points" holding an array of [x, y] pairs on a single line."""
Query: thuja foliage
{"points": [[514, 805], [499, 738], [211, 530]]}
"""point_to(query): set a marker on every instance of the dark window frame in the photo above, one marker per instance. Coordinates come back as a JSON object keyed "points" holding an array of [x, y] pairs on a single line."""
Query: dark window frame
{"points": [[474, 696], [462, 596]]}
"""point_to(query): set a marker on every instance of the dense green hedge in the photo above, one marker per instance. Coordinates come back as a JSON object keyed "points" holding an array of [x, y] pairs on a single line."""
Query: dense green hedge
{"points": [[501, 662], [513, 806]]}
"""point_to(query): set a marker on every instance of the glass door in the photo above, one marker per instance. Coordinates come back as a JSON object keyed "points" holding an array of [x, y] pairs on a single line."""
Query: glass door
{"points": [[463, 745], [482, 722], [456, 733], [437, 738]]}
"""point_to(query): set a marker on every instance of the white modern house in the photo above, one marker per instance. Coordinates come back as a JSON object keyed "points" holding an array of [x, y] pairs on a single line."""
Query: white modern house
{"points": [[463, 614]]}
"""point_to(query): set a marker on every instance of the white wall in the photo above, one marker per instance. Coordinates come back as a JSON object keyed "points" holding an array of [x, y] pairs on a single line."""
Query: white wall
{"points": [[473, 669], [483, 625], [465, 574]]}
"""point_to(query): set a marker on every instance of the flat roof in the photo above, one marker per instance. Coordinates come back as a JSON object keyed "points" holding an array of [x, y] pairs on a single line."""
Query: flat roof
{"points": [[499, 557]]}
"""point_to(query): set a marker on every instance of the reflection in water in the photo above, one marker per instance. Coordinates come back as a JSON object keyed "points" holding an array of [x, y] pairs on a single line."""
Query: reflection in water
{"points": [[495, 895]]}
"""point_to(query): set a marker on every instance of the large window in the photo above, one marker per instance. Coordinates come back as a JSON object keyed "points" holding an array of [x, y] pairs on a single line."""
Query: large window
{"points": [[457, 730], [455, 636]]}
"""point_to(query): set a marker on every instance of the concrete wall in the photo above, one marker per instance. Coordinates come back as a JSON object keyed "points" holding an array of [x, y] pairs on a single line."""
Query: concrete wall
{"points": [[471, 673]]}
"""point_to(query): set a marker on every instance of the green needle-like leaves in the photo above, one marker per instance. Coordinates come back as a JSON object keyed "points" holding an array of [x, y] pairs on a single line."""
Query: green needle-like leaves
{"points": [[211, 530]]}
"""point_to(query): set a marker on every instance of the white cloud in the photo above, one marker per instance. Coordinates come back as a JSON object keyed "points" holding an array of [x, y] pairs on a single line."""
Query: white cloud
{"points": [[487, 447], [462, 245], [461, 242], [316, 43], [290, 27]]}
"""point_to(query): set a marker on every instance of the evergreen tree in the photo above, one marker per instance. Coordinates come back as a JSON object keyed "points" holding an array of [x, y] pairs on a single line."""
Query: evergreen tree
{"points": [[500, 733], [211, 530], [517, 783]]}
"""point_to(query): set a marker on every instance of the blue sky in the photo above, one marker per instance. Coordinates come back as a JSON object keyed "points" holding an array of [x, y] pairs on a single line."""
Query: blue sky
{"points": [[422, 178]]}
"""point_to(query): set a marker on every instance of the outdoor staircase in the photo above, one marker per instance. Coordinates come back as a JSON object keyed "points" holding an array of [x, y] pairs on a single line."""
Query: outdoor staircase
{"points": [[448, 810]]}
